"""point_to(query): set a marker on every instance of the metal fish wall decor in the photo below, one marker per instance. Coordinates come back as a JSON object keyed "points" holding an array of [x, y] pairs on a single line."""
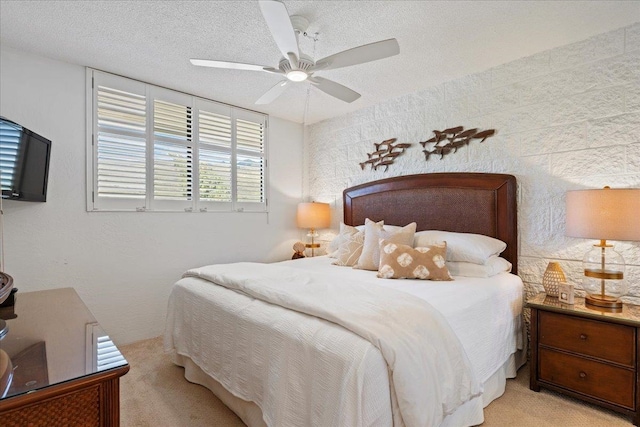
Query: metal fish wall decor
{"points": [[384, 154], [450, 140]]}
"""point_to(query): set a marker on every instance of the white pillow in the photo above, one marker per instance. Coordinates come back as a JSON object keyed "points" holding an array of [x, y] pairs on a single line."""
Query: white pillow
{"points": [[386, 227], [465, 247], [349, 251], [346, 231], [370, 258], [494, 265], [392, 227]]}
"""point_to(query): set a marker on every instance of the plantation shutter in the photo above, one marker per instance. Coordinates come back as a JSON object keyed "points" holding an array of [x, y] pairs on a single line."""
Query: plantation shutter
{"points": [[153, 148], [120, 139], [103, 353], [250, 161], [173, 153], [9, 151], [108, 356], [215, 143]]}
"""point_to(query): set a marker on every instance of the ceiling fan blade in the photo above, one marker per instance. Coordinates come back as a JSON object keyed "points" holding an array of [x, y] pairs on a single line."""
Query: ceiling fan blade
{"points": [[228, 65], [359, 55], [273, 93], [335, 89], [277, 18]]}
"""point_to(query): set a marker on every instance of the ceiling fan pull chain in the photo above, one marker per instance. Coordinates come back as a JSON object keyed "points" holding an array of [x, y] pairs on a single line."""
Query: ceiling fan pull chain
{"points": [[306, 103], [315, 41]]}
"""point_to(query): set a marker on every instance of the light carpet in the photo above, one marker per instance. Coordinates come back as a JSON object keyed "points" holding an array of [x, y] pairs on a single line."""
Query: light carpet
{"points": [[155, 393]]}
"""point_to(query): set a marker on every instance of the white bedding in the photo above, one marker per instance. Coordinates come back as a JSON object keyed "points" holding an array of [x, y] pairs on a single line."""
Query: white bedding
{"points": [[485, 313], [304, 366]]}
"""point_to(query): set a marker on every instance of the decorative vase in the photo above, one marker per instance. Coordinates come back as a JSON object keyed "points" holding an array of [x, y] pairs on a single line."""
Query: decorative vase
{"points": [[552, 277]]}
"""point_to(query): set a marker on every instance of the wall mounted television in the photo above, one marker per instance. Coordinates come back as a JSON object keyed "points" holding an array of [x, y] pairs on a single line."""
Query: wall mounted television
{"points": [[24, 162]]}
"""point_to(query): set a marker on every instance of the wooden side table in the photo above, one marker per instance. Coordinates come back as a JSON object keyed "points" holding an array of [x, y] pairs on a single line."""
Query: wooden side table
{"points": [[585, 353], [66, 371]]}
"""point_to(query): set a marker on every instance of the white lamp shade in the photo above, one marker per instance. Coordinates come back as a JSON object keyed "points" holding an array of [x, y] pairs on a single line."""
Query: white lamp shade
{"points": [[604, 214], [314, 215]]}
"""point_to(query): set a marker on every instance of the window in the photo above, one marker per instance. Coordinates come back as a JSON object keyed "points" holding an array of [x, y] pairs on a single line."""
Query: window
{"points": [[154, 149]]}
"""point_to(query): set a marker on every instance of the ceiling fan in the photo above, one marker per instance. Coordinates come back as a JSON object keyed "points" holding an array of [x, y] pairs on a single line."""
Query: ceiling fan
{"points": [[298, 67]]}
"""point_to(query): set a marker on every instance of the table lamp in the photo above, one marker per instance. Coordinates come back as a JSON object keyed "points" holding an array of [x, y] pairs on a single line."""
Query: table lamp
{"points": [[604, 214], [313, 216]]}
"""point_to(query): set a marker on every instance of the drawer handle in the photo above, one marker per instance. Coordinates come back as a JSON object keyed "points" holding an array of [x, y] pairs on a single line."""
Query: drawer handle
{"points": [[583, 337], [583, 375]]}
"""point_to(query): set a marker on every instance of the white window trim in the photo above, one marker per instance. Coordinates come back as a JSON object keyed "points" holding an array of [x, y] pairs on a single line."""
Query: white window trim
{"points": [[196, 205]]}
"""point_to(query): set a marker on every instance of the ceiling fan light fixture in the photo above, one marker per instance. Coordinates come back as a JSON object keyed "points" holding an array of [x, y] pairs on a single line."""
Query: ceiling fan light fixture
{"points": [[298, 67], [297, 76]]}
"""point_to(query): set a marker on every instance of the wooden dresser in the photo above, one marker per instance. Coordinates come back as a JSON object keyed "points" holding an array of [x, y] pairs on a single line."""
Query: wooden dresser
{"points": [[586, 353], [66, 370]]}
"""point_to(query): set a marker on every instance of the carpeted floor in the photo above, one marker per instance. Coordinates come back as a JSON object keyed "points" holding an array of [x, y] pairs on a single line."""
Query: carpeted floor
{"points": [[155, 393]]}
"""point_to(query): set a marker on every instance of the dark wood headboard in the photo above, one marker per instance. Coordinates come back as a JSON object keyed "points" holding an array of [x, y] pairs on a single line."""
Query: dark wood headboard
{"points": [[480, 203]]}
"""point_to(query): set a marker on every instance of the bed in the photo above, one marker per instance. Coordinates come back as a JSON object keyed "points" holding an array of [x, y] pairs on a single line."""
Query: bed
{"points": [[275, 364]]}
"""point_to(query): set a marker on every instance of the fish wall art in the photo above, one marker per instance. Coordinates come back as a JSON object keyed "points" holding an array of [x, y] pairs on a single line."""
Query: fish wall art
{"points": [[385, 153], [450, 140]]}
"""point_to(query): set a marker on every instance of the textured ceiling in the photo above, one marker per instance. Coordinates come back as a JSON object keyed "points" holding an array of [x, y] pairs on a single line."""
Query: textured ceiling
{"points": [[439, 41]]}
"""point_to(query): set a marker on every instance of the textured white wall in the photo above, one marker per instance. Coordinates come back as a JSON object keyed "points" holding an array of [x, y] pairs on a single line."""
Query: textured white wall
{"points": [[567, 118], [123, 264]]}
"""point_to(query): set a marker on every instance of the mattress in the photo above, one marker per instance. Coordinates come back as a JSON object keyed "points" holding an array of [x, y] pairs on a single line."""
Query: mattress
{"points": [[485, 314]]}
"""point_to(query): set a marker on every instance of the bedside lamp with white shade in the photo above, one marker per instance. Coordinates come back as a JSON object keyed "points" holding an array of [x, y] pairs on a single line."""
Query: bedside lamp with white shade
{"points": [[604, 214], [313, 216]]}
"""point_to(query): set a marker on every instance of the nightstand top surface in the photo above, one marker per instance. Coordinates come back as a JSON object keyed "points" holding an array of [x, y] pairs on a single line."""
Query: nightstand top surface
{"points": [[630, 314]]}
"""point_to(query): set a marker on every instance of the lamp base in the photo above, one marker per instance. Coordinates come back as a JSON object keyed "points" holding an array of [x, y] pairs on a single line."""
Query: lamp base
{"points": [[313, 247], [611, 304]]}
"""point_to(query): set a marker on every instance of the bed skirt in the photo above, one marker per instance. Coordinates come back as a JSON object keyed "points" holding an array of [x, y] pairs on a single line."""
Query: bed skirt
{"points": [[469, 414]]}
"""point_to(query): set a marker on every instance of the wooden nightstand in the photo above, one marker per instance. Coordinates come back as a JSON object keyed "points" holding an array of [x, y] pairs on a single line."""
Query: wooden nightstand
{"points": [[588, 354]]}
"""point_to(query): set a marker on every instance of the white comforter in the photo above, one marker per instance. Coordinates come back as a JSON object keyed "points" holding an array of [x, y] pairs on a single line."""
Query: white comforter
{"points": [[310, 369]]}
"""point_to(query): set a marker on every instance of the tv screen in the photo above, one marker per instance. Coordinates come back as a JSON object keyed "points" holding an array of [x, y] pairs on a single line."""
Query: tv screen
{"points": [[24, 162]]}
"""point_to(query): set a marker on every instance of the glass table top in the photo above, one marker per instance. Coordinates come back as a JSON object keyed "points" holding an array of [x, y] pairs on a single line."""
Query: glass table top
{"points": [[629, 315], [52, 338]]}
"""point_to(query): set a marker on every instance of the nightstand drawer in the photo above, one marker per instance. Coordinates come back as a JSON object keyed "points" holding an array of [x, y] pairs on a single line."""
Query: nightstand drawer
{"points": [[601, 381], [607, 341]]}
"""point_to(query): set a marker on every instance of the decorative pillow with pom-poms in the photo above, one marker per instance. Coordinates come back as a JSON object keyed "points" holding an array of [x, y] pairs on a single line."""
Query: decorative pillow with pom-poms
{"points": [[404, 262]]}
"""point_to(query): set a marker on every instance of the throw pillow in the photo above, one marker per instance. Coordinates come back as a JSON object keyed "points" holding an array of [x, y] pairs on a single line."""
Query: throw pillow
{"points": [[345, 232], [370, 258], [404, 262], [349, 250]]}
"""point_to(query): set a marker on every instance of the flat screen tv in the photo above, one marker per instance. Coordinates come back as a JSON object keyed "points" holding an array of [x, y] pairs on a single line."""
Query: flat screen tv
{"points": [[24, 162]]}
